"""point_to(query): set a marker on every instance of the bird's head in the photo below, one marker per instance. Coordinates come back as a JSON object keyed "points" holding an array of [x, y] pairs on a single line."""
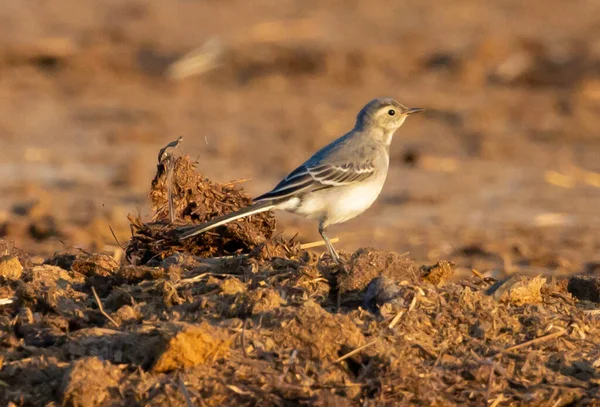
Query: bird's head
{"points": [[385, 114]]}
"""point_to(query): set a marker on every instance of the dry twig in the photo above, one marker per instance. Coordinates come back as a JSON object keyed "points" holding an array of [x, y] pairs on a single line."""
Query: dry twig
{"points": [[498, 400], [101, 308], [478, 274], [185, 392], [490, 383], [536, 340], [115, 237], [243, 339], [396, 319], [165, 157], [354, 352], [170, 167], [6, 301], [317, 243]]}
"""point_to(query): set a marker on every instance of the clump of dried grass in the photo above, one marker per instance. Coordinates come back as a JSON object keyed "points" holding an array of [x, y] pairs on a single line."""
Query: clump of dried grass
{"points": [[519, 290], [439, 273], [527, 291], [195, 199]]}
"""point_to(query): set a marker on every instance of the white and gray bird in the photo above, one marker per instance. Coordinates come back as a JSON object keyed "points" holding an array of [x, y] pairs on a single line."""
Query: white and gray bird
{"points": [[340, 181]]}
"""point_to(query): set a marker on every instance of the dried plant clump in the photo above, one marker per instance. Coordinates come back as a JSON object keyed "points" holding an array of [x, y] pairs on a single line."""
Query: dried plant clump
{"points": [[527, 291], [196, 200], [519, 290], [439, 273]]}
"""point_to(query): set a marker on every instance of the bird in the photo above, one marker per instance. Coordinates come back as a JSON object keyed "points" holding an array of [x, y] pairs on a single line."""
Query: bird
{"points": [[339, 182]]}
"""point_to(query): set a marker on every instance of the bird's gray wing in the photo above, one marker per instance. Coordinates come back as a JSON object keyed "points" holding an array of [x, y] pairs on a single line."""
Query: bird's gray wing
{"points": [[307, 178]]}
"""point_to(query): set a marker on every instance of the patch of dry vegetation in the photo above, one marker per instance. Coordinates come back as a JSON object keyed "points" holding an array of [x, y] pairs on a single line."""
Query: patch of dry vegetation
{"points": [[236, 318]]}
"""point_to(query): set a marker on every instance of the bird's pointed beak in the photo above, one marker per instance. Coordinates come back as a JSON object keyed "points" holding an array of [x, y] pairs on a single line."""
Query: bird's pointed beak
{"points": [[412, 110]]}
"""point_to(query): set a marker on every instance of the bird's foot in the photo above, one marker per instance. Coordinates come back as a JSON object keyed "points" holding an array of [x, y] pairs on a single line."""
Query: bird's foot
{"points": [[340, 263], [339, 260], [333, 262]]}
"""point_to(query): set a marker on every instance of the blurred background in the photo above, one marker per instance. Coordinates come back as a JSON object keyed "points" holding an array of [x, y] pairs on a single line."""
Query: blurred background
{"points": [[502, 172]]}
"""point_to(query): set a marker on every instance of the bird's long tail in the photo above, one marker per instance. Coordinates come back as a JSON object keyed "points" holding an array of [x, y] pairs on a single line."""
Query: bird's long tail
{"points": [[189, 231]]}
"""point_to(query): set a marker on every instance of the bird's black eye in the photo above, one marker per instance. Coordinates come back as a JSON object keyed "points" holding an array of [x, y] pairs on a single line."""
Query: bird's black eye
{"points": [[391, 112]]}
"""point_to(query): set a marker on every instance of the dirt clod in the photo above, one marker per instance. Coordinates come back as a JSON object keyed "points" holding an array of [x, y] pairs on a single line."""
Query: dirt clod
{"points": [[585, 288], [439, 273], [367, 264], [232, 286], [385, 295], [10, 267], [319, 335], [89, 382], [99, 265], [51, 287], [260, 300], [191, 345]]}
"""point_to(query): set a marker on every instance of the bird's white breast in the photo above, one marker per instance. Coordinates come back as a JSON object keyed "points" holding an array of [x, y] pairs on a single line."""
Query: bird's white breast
{"points": [[353, 202], [336, 205]]}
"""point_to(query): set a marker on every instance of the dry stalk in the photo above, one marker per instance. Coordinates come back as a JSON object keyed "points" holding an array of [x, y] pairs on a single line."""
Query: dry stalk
{"points": [[185, 392], [197, 61], [170, 168], [101, 308], [192, 279], [199, 277], [6, 301], [478, 274], [165, 157], [115, 237], [318, 243], [396, 319], [498, 400], [354, 352], [536, 340], [236, 181], [490, 383], [243, 339]]}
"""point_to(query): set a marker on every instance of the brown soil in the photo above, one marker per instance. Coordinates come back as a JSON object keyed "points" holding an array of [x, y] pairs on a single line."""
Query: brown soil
{"points": [[473, 280], [272, 324]]}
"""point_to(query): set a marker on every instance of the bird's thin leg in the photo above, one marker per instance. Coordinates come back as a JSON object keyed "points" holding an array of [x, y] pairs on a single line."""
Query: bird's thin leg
{"points": [[332, 251]]}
